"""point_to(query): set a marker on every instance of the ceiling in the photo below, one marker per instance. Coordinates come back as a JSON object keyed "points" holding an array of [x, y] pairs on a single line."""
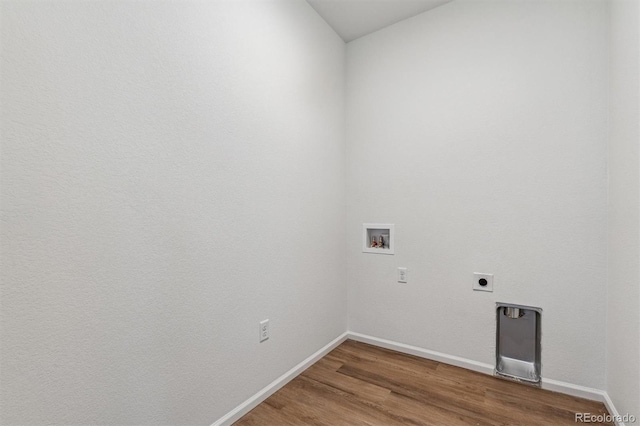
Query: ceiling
{"points": [[354, 18]]}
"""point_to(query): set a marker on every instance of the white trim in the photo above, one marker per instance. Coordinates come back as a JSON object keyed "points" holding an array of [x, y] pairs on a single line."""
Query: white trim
{"points": [[573, 390], [242, 409], [612, 409], [423, 353], [481, 367], [549, 384]]}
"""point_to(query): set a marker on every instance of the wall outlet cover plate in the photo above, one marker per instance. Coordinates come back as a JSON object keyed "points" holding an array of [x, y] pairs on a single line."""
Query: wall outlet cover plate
{"points": [[482, 282], [264, 330], [402, 275]]}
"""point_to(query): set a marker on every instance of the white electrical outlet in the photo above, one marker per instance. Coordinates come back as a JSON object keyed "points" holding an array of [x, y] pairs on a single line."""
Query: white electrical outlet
{"points": [[264, 330], [402, 275], [482, 282]]}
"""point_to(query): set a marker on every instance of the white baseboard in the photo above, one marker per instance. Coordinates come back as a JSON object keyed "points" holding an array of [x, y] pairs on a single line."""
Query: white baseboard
{"points": [[423, 353], [242, 409], [612, 409], [573, 390], [553, 385], [549, 384]]}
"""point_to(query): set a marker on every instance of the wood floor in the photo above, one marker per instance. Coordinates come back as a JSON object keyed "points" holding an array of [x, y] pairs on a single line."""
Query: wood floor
{"points": [[359, 384]]}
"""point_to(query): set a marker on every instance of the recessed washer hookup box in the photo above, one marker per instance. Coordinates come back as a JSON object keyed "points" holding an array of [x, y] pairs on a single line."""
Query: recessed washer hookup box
{"points": [[518, 349]]}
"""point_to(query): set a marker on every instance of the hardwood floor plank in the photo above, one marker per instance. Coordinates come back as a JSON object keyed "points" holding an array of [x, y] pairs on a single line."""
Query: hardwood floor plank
{"points": [[500, 385], [265, 414], [426, 414], [358, 352], [361, 389], [328, 364], [360, 384], [329, 397], [466, 405]]}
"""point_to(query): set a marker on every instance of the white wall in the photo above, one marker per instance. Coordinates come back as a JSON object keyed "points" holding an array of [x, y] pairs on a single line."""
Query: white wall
{"points": [[172, 173], [623, 317], [479, 128]]}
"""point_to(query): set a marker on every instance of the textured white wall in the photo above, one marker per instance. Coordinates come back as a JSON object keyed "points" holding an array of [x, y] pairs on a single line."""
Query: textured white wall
{"points": [[623, 313], [172, 173], [479, 128]]}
